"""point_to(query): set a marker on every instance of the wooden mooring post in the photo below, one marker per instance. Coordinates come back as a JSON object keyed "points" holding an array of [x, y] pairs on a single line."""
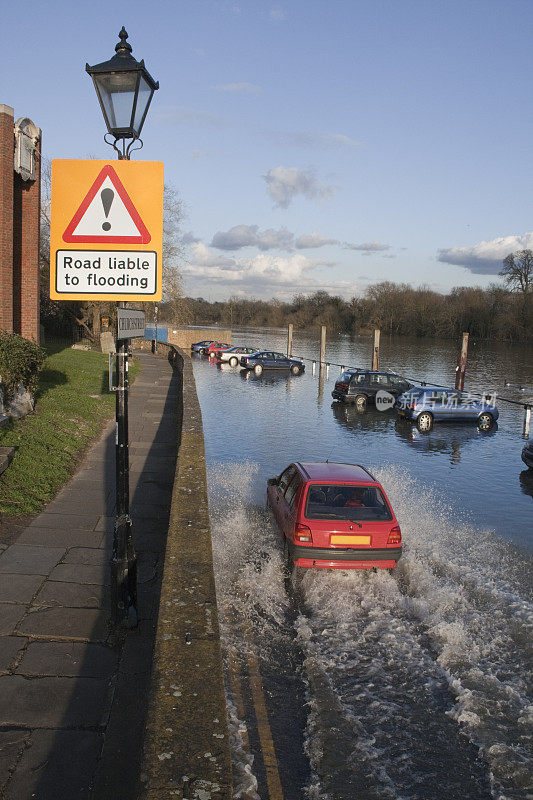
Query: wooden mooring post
{"points": [[375, 349], [322, 346], [527, 421], [289, 340], [461, 364]]}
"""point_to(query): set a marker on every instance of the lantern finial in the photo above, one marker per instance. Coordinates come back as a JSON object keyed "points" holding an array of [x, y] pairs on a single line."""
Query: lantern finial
{"points": [[123, 48]]}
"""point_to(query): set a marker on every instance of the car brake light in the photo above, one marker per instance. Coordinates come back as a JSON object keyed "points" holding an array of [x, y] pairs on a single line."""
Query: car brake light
{"points": [[302, 533], [395, 536]]}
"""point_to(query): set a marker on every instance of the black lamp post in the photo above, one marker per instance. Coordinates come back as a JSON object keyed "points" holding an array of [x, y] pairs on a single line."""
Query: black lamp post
{"points": [[125, 89]]}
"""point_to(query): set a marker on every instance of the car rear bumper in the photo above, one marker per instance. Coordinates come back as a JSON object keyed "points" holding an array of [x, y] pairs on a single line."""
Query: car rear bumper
{"points": [[349, 558], [338, 396]]}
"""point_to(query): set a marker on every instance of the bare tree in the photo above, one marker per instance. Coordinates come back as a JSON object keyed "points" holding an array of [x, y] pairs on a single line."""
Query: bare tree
{"points": [[517, 270]]}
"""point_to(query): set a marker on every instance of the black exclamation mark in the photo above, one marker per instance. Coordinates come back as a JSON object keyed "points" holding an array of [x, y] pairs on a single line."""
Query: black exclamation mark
{"points": [[107, 196]]}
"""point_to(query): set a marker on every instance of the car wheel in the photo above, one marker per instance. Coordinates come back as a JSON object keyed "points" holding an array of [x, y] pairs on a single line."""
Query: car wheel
{"points": [[295, 369], [360, 402], [201, 351], [485, 421], [258, 369], [424, 421], [288, 563], [233, 361]]}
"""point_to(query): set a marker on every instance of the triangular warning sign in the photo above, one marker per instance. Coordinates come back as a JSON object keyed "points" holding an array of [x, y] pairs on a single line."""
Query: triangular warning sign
{"points": [[107, 215]]}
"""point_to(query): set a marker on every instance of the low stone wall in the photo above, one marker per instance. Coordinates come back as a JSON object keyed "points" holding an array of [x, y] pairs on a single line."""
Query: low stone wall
{"points": [[186, 751]]}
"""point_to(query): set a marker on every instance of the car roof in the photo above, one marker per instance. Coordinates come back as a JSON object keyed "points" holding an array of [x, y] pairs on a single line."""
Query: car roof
{"points": [[335, 471]]}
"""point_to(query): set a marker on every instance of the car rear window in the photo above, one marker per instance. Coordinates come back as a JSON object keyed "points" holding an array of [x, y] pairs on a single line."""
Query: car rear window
{"points": [[345, 377], [328, 501]]}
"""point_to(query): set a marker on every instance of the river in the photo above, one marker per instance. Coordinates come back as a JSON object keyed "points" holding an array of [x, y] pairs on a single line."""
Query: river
{"points": [[422, 676]]}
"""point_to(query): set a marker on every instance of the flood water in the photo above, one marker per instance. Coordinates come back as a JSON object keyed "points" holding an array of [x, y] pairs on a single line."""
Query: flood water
{"points": [[423, 675]]}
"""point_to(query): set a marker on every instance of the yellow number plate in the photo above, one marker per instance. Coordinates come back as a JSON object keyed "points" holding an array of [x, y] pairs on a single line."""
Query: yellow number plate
{"points": [[350, 540]]}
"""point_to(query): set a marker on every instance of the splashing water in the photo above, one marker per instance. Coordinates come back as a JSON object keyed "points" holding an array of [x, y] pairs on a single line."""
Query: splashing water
{"points": [[418, 681]]}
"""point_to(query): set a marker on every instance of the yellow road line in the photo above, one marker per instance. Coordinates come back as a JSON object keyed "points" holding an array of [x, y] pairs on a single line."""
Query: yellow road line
{"points": [[275, 792]]}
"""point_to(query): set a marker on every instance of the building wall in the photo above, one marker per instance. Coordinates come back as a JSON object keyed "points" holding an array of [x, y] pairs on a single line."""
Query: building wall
{"points": [[19, 238], [6, 217]]}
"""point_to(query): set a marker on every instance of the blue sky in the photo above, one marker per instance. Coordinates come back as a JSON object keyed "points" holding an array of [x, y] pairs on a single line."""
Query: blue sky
{"points": [[316, 144]]}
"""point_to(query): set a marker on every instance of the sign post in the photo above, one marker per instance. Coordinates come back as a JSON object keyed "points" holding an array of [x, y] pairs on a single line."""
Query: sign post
{"points": [[106, 245]]}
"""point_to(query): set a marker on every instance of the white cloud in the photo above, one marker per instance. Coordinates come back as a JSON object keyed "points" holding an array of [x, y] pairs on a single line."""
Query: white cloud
{"points": [[322, 141], [250, 236], [312, 240], [486, 258], [262, 275], [189, 238], [276, 14], [242, 88], [284, 183], [367, 247], [203, 258]]}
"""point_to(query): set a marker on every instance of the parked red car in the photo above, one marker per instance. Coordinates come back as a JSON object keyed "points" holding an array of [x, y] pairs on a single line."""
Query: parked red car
{"points": [[334, 515], [214, 349]]}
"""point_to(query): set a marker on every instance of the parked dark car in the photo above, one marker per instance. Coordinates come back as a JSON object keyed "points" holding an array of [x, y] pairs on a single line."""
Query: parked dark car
{"points": [[527, 454], [360, 386], [267, 359], [201, 347], [428, 404]]}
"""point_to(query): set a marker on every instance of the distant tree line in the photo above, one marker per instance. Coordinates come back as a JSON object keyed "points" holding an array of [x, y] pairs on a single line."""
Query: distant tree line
{"points": [[499, 312]]}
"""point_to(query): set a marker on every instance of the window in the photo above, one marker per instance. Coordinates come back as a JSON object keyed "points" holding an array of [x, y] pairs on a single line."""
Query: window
{"points": [[359, 378], [285, 477], [346, 502], [292, 489]]}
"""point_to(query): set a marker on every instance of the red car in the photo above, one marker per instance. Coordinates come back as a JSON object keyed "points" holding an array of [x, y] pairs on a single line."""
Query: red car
{"points": [[214, 349], [335, 516]]}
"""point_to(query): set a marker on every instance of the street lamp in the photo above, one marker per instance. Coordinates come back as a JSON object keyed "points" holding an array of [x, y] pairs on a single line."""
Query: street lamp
{"points": [[125, 89]]}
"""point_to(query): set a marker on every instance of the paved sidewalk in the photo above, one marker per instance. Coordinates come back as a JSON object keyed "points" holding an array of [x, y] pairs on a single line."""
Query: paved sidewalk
{"points": [[72, 694]]}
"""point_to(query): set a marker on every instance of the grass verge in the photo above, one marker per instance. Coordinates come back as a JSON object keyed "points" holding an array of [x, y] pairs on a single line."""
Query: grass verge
{"points": [[72, 406]]}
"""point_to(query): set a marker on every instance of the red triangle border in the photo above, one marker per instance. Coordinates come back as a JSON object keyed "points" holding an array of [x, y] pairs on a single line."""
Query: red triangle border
{"points": [[107, 172]]}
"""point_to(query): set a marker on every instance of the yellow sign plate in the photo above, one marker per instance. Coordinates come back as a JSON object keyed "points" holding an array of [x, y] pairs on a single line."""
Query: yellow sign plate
{"points": [[106, 236], [350, 539]]}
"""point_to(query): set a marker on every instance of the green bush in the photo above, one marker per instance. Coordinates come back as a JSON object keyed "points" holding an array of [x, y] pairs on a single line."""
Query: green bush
{"points": [[20, 362]]}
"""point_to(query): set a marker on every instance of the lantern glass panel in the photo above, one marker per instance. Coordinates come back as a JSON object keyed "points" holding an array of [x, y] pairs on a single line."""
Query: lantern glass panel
{"points": [[117, 92], [143, 100]]}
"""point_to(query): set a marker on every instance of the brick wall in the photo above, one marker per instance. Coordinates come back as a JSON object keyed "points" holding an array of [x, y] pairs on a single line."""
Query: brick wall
{"points": [[6, 217], [19, 238], [26, 212]]}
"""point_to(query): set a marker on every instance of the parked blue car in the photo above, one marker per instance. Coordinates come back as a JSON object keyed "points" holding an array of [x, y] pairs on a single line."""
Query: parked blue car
{"points": [[201, 347], [428, 404], [267, 359]]}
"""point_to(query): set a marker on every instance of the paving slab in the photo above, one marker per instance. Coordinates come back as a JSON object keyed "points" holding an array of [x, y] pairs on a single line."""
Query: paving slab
{"points": [[10, 651], [74, 595], [52, 702], [56, 765], [68, 659], [16, 588], [84, 522], [85, 555], [50, 537], [10, 615], [30, 560], [12, 744], [65, 623], [80, 573]]}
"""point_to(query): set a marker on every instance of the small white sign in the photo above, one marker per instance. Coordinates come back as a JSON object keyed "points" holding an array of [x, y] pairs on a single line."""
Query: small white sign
{"points": [[106, 272], [131, 323]]}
